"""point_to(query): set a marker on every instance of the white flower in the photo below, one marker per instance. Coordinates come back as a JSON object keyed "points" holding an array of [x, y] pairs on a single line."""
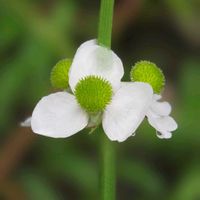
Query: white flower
{"points": [[59, 115], [158, 117]]}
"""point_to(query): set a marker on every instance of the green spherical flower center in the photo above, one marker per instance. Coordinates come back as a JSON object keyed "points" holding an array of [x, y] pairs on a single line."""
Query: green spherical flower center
{"points": [[93, 93], [148, 72], [59, 74]]}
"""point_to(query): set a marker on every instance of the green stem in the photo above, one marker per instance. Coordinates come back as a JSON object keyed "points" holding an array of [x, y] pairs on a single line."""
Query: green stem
{"points": [[107, 178], [105, 23], [108, 150]]}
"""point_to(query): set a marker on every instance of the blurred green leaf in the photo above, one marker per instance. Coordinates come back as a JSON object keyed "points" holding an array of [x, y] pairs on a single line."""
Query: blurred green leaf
{"points": [[17, 75], [187, 188], [186, 15], [37, 187], [142, 177], [62, 159]]}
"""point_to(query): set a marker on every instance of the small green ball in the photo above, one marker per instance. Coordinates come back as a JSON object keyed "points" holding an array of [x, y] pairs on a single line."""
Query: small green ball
{"points": [[93, 93], [59, 74], [148, 72]]}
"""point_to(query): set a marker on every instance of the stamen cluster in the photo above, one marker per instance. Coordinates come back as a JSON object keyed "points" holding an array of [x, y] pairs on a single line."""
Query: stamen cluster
{"points": [[93, 93]]}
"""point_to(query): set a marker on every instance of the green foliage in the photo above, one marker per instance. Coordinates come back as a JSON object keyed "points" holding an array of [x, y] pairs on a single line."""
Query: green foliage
{"points": [[37, 187], [188, 185], [140, 176]]}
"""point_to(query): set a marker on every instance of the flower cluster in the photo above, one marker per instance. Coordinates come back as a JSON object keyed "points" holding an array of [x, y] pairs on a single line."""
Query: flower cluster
{"points": [[93, 93]]}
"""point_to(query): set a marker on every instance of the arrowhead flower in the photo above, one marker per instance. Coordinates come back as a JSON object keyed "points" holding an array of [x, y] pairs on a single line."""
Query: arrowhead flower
{"points": [[96, 91]]}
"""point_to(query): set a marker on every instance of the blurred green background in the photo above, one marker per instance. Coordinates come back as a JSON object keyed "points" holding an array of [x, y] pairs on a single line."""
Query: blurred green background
{"points": [[34, 35]]}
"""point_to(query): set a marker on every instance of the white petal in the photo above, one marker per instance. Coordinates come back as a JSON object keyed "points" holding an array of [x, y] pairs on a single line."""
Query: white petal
{"points": [[92, 59], [127, 110], [151, 114], [58, 115], [87, 44], [161, 108], [26, 122], [165, 123], [164, 135]]}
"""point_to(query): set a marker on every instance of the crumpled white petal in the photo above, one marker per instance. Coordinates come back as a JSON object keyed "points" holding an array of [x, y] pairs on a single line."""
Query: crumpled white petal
{"points": [[127, 110], [58, 115], [164, 135], [165, 123], [92, 59], [26, 122], [158, 117], [161, 108]]}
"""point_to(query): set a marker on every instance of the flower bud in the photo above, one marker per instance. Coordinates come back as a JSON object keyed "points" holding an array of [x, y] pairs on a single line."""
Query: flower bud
{"points": [[148, 72], [59, 74]]}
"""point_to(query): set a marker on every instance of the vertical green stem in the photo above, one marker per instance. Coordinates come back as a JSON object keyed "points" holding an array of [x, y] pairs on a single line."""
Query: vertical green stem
{"points": [[105, 23], [108, 178], [108, 150]]}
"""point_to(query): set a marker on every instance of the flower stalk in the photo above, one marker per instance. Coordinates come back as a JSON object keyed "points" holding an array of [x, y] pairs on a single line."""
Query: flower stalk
{"points": [[105, 23], [108, 177], [107, 184]]}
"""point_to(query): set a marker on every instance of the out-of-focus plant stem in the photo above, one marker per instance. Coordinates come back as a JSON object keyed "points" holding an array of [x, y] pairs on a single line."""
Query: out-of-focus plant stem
{"points": [[107, 178]]}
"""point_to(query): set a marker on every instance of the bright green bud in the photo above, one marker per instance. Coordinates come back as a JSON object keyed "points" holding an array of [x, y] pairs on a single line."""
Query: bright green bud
{"points": [[148, 72], [93, 93], [59, 74]]}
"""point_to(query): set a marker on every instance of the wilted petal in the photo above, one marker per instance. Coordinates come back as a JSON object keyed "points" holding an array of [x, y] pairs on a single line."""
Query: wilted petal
{"points": [[161, 108], [164, 135], [58, 115], [92, 59], [127, 110], [165, 123]]}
